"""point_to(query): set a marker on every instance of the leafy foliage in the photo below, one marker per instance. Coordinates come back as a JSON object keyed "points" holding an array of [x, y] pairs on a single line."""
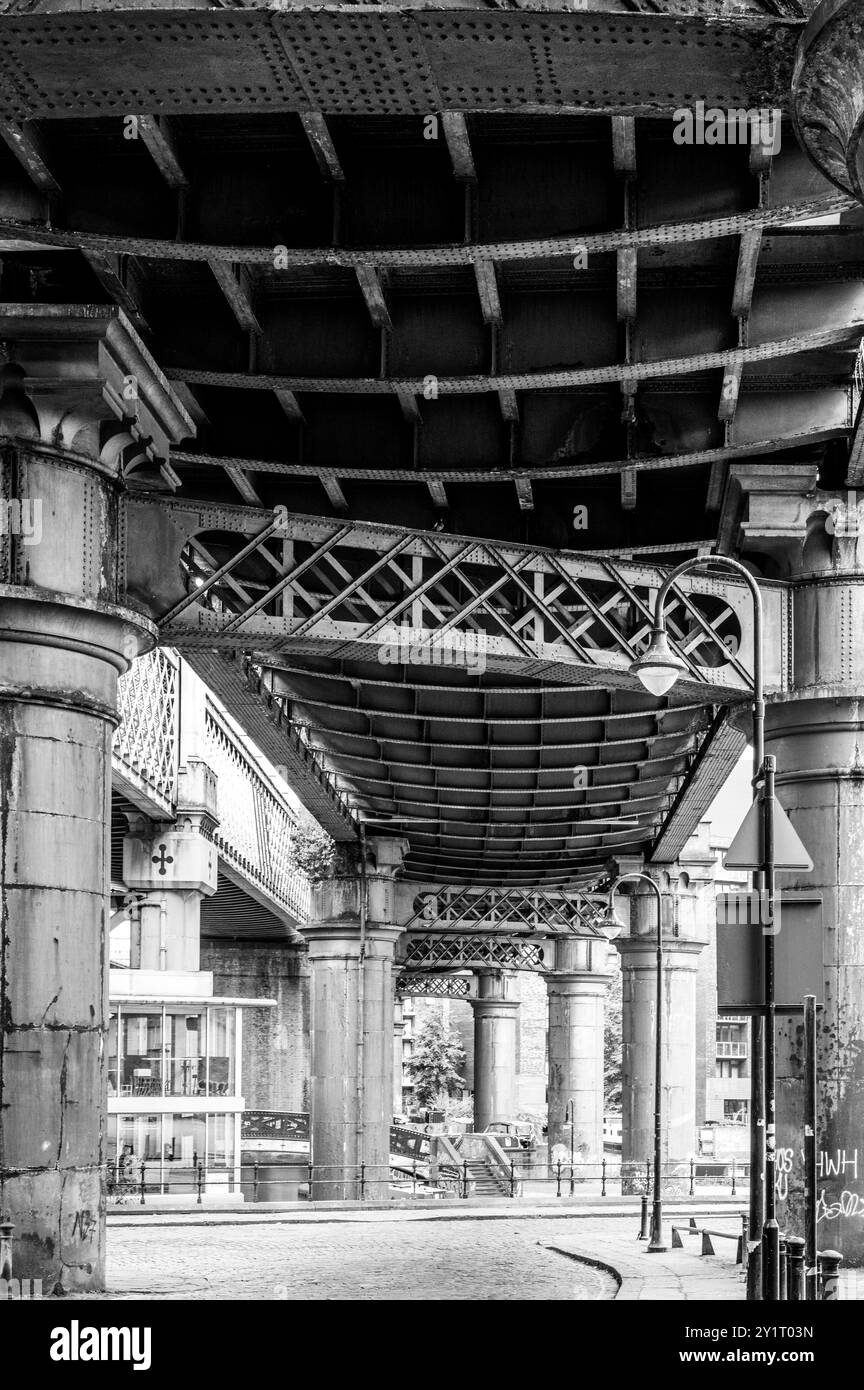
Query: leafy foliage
{"points": [[312, 849], [436, 1065]]}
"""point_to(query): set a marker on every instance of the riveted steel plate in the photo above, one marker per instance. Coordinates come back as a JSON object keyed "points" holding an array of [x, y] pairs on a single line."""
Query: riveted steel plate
{"points": [[510, 60], [384, 61], [113, 63], [354, 63]]}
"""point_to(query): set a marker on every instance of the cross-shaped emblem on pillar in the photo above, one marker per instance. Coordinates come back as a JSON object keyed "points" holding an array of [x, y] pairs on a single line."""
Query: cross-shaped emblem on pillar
{"points": [[162, 859]]}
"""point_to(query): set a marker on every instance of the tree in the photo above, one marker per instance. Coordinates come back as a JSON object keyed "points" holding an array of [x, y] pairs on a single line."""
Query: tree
{"points": [[436, 1065], [312, 849], [612, 1045]]}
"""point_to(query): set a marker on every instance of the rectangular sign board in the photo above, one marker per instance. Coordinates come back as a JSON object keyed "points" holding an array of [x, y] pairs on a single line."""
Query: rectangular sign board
{"points": [[797, 934]]}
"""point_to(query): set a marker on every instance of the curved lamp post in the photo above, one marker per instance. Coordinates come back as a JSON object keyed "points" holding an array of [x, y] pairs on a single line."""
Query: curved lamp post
{"points": [[656, 1243], [658, 669]]}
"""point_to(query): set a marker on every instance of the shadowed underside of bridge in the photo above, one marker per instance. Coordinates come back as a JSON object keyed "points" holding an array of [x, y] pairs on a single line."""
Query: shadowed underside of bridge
{"points": [[443, 287]]}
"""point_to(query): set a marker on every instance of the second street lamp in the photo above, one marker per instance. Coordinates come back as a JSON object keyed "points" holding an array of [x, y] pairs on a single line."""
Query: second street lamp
{"points": [[658, 668]]}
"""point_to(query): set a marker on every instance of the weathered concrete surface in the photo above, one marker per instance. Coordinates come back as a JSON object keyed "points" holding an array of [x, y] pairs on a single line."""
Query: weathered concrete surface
{"points": [[494, 1050], [276, 1042], [639, 1010], [352, 938], [577, 1009]]}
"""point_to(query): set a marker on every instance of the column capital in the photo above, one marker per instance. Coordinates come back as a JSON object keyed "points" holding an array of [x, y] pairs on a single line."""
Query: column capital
{"points": [[118, 410], [640, 952], [584, 982], [341, 941]]}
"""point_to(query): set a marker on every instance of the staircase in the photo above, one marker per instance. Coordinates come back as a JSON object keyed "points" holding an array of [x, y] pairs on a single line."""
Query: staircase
{"points": [[482, 1178]]}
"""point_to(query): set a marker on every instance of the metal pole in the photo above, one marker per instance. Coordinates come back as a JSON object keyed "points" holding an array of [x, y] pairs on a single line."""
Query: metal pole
{"points": [[810, 1140], [657, 1242], [757, 1094], [570, 1110], [770, 1231]]}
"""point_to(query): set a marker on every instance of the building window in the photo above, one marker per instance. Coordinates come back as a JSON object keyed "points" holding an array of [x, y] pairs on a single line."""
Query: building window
{"points": [[169, 1051], [173, 1148], [731, 1040], [727, 1069], [735, 1112]]}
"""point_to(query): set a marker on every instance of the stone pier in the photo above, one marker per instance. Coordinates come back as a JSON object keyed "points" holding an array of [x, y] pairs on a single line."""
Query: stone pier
{"points": [[494, 1049], [66, 638], [352, 936], [577, 1009]]}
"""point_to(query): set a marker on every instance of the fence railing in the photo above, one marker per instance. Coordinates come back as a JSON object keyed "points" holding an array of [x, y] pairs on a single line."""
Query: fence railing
{"points": [[145, 753], [256, 825]]}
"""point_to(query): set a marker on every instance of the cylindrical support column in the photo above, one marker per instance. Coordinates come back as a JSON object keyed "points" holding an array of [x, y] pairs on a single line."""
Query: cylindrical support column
{"points": [[639, 1011], [494, 1050], [398, 1034], [577, 1007], [63, 645], [351, 946]]}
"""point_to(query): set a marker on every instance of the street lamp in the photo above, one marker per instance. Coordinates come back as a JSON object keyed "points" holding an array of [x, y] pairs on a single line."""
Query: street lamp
{"points": [[658, 669], [656, 1243]]}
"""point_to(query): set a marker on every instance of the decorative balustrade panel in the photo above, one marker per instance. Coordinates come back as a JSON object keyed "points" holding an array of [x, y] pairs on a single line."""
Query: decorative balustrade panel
{"points": [[146, 741], [456, 952], [435, 986], [256, 826], [506, 909]]}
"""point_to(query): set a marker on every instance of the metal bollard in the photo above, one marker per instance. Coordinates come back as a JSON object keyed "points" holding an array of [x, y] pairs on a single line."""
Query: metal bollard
{"points": [[200, 1183], [512, 1179], [603, 1187], [362, 1181], [465, 1178], [310, 1180], [255, 1181], [734, 1179], [6, 1229], [829, 1275], [784, 1274], [142, 1184], [692, 1177], [644, 1232], [558, 1189], [796, 1289], [743, 1239]]}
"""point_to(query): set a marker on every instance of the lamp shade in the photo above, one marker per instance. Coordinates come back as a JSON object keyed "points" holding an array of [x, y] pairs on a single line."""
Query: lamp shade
{"points": [[658, 668], [610, 923]]}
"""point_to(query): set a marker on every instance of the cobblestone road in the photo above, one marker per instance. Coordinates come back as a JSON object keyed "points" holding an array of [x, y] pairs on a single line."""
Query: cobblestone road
{"points": [[368, 1260]]}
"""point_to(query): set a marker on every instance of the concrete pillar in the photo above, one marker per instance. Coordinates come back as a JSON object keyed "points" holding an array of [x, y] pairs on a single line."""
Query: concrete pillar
{"points": [[814, 539], [65, 641], [494, 1049], [577, 1008], [175, 866], [398, 1034], [639, 1013], [352, 936]]}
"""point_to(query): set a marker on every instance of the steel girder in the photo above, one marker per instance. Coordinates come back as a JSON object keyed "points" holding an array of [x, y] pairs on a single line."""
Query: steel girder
{"points": [[507, 909], [428, 952], [409, 983], [277, 582]]}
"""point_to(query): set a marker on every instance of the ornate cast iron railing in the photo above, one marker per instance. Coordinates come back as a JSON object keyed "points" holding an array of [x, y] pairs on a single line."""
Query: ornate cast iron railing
{"points": [[146, 741], [256, 824]]}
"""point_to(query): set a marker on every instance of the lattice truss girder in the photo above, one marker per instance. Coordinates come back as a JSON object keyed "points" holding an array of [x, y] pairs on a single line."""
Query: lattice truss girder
{"points": [[468, 952], [409, 982], [539, 910], [282, 582]]}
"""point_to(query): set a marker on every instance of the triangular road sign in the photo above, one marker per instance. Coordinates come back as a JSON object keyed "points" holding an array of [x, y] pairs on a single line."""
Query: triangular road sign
{"points": [[745, 851]]}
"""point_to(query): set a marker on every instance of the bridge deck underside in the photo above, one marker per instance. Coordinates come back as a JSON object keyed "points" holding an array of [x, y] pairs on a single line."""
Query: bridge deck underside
{"points": [[511, 307]]}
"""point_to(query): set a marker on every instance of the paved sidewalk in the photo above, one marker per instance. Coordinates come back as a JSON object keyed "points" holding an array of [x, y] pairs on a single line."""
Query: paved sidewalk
{"points": [[457, 1255]]}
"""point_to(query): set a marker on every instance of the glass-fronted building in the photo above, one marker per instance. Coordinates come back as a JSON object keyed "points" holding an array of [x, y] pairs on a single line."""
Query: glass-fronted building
{"points": [[175, 1095]]}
